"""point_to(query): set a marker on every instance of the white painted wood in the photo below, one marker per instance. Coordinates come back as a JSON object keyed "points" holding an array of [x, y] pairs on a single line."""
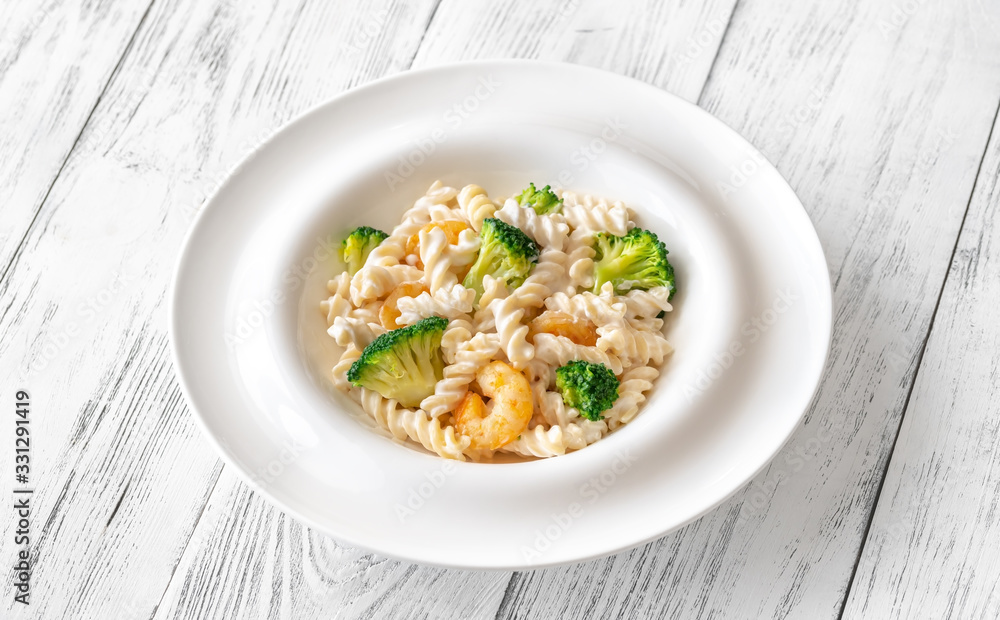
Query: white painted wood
{"points": [[932, 548], [56, 57], [401, 590], [249, 560], [668, 44], [877, 113], [123, 473], [884, 157]]}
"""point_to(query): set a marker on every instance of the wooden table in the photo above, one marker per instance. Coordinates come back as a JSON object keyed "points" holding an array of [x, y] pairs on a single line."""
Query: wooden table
{"points": [[118, 118]]}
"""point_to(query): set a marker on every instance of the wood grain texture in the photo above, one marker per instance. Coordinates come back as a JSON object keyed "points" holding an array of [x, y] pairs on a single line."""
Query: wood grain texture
{"points": [[668, 44], [249, 560], [122, 472], [307, 577], [932, 547], [877, 113], [880, 130], [56, 58]]}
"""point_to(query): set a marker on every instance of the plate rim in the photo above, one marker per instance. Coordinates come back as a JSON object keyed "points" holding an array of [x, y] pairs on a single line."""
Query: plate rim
{"points": [[824, 287]]}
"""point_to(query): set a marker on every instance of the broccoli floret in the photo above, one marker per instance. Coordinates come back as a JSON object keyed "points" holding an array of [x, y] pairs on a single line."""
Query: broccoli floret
{"points": [[589, 388], [403, 364], [358, 245], [505, 253], [637, 261], [541, 200]]}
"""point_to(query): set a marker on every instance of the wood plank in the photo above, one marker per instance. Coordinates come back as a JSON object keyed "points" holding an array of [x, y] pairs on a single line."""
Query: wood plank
{"points": [[311, 576], [122, 473], [879, 123], [252, 561], [668, 44], [931, 548], [56, 58]]}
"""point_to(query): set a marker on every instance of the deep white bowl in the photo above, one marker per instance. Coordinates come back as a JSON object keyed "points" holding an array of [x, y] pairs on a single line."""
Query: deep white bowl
{"points": [[751, 325]]}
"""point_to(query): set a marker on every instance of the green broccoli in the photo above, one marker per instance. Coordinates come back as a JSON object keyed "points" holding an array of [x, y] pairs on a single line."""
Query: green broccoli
{"points": [[358, 245], [505, 253], [542, 201], [637, 261], [589, 388], [403, 364]]}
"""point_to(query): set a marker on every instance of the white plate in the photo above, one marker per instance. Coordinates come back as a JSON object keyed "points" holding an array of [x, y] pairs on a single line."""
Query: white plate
{"points": [[254, 360]]}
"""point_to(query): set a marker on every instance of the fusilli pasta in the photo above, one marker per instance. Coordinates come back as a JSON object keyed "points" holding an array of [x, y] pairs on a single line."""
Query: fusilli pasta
{"points": [[418, 272], [476, 205]]}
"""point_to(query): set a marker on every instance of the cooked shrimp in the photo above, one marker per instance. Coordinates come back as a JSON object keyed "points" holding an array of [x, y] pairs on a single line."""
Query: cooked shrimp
{"points": [[580, 331], [388, 313], [451, 229], [495, 425]]}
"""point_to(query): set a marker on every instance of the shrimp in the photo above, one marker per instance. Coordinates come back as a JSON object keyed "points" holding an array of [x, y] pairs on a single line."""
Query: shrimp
{"points": [[495, 425], [389, 312], [580, 331], [451, 229]]}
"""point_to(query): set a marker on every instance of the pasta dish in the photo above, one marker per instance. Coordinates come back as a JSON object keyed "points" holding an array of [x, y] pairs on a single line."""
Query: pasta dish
{"points": [[531, 325]]}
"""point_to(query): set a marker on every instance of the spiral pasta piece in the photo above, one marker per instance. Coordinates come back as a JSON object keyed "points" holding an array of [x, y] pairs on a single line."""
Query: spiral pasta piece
{"points": [[437, 205], [454, 302], [580, 260], [335, 306], [553, 409], [340, 285], [415, 273], [494, 291], [414, 424], [631, 393], [476, 205], [437, 262], [557, 440], [338, 304], [464, 252], [510, 312], [647, 303], [350, 355], [615, 334], [368, 313], [598, 310], [595, 215], [350, 330], [549, 230], [559, 351], [383, 264], [457, 376], [459, 332], [648, 324], [638, 347], [377, 281]]}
